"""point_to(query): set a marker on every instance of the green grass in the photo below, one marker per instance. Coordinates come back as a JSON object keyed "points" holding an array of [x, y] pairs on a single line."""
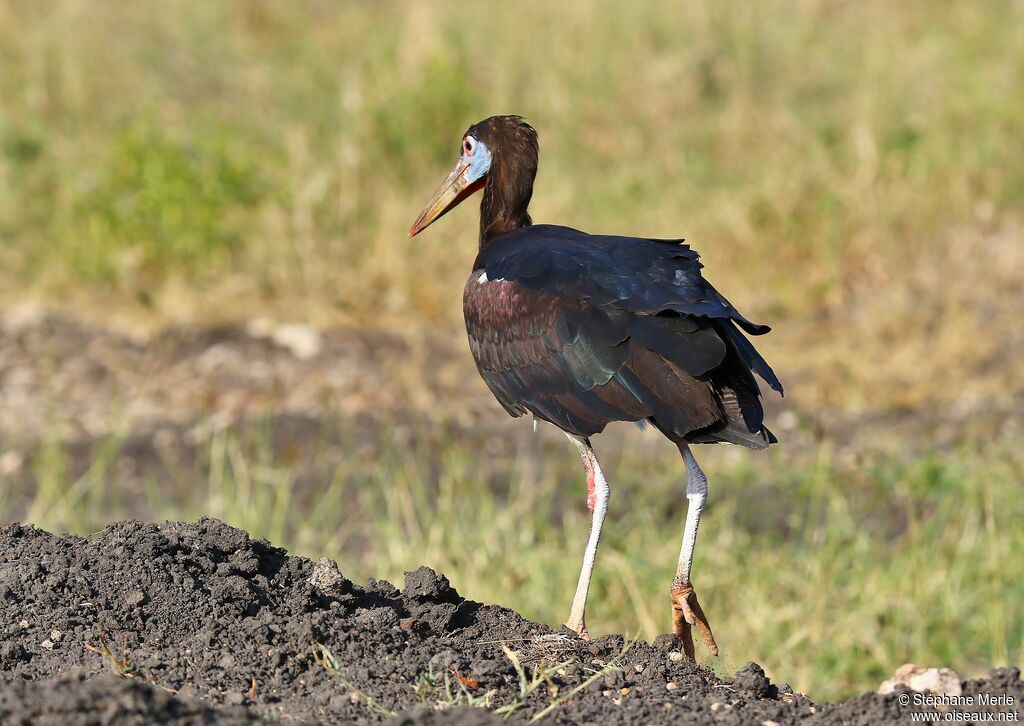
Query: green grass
{"points": [[831, 573]]}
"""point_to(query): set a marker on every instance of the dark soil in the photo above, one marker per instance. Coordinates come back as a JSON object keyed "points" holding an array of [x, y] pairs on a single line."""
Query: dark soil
{"points": [[198, 623]]}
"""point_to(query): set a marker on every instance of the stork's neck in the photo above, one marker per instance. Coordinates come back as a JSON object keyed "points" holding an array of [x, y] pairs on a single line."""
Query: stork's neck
{"points": [[506, 201]]}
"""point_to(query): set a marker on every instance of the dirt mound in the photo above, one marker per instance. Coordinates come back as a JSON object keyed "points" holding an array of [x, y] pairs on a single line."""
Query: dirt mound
{"points": [[199, 623]]}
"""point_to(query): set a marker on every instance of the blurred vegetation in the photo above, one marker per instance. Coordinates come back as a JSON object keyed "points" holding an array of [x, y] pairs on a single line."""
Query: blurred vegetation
{"points": [[852, 173], [820, 155]]}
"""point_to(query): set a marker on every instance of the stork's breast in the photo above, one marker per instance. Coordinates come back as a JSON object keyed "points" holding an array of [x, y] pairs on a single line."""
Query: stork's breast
{"points": [[507, 323], [490, 304]]}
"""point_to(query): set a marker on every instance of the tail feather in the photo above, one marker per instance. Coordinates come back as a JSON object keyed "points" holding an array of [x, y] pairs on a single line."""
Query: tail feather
{"points": [[743, 424], [748, 354]]}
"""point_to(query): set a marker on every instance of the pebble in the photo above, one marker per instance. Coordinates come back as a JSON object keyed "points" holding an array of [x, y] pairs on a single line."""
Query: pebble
{"points": [[923, 680], [675, 656], [302, 341], [326, 574]]}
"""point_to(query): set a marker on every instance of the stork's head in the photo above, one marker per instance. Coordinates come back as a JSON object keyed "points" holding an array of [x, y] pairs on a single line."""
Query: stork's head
{"points": [[500, 153]]}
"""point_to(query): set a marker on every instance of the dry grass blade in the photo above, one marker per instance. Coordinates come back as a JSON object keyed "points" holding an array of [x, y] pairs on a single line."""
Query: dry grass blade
{"points": [[606, 670], [119, 665]]}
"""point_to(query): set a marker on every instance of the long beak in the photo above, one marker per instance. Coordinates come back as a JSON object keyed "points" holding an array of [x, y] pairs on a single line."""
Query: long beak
{"points": [[452, 191]]}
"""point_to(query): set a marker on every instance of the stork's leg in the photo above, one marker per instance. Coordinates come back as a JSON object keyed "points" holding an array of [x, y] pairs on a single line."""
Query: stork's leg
{"points": [[597, 501], [686, 611]]}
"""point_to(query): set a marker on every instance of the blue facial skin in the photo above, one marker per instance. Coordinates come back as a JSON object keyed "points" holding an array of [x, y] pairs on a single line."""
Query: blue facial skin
{"points": [[479, 160]]}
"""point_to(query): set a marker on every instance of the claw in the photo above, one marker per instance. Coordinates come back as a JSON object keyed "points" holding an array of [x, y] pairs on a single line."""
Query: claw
{"points": [[686, 612]]}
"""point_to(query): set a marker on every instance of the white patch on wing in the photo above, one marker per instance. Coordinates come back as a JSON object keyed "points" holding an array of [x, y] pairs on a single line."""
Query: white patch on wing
{"points": [[680, 277], [483, 278]]}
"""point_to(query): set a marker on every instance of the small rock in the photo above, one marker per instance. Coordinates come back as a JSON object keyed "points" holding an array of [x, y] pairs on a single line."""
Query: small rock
{"points": [[769, 723], [751, 678], [134, 598], [328, 578], [56, 635], [923, 680], [48, 644], [671, 686], [23, 624], [425, 584], [675, 656], [302, 341]]}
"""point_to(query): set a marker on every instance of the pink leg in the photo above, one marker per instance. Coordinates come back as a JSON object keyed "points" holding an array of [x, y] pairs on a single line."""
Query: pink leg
{"points": [[591, 496]]}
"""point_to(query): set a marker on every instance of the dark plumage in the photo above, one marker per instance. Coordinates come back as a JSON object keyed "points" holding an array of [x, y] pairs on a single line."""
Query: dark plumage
{"points": [[581, 330]]}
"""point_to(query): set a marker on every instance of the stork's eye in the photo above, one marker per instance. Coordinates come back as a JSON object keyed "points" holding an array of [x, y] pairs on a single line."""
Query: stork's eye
{"points": [[467, 146]]}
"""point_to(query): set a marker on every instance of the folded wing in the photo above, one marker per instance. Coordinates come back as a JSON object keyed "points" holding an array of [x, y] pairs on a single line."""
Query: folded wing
{"points": [[581, 330]]}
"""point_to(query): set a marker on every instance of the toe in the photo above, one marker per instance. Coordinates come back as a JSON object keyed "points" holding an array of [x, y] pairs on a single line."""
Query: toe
{"points": [[687, 612]]}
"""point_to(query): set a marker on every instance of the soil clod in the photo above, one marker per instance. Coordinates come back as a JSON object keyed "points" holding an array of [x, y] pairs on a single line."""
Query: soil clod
{"points": [[199, 623]]}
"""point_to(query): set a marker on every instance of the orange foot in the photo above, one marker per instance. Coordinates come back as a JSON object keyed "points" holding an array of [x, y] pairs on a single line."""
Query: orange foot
{"points": [[686, 612]]}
